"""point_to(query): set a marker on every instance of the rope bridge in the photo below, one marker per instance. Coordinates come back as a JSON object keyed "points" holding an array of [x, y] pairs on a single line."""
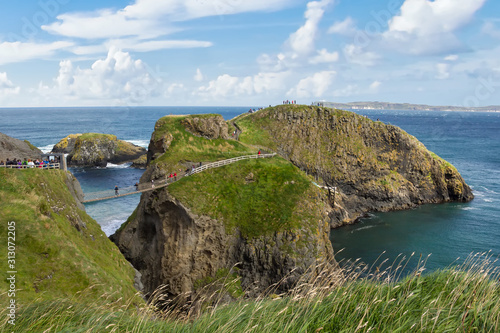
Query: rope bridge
{"points": [[145, 187]]}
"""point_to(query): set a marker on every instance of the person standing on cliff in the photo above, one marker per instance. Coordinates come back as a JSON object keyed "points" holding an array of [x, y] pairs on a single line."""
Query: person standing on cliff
{"points": [[258, 153]]}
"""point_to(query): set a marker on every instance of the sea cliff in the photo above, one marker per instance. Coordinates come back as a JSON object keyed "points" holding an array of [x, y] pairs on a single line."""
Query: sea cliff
{"points": [[374, 166], [269, 220], [263, 220]]}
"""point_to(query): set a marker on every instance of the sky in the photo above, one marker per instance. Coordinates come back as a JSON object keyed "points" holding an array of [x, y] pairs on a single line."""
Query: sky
{"points": [[248, 53]]}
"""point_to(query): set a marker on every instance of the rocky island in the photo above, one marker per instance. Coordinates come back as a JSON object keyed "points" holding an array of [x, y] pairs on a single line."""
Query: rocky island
{"points": [[95, 149], [267, 220]]}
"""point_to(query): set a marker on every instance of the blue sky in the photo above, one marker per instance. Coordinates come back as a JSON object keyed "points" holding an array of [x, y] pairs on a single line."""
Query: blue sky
{"points": [[259, 52]]}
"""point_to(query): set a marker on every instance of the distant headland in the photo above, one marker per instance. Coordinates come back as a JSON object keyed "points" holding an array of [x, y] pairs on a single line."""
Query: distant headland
{"points": [[405, 107]]}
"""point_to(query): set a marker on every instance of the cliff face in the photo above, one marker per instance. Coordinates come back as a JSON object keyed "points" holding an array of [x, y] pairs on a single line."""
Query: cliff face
{"points": [[11, 148], [375, 167], [93, 149], [171, 245], [262, 219]]}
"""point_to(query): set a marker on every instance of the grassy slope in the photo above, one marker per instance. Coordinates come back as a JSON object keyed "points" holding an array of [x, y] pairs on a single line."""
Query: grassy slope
{"points": [[455, 300], [186, 147], [53, 259], [278, 196], [257, 196]]}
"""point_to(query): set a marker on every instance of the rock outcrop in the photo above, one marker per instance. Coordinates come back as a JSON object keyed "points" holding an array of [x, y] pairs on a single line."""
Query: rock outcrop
{"points": [[374, 166], [11, 148], [171, 245], [93, 149], [208, 126]]}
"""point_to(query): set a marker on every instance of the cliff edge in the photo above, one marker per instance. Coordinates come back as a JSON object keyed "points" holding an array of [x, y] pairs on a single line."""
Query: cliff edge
{"points": [[374, 166], [262, 220]]}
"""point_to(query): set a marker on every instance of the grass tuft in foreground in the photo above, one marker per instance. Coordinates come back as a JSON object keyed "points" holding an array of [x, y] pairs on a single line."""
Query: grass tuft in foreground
{"points": [[458, 299]]}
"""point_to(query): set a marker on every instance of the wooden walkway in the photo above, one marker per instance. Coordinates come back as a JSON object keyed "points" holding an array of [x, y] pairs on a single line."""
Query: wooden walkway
{"points": [[146, 187]]}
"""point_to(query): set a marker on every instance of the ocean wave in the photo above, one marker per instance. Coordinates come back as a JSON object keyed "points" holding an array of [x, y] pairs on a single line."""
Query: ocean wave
{"points": [[118, 166], [469, 208], [46, 149], [140, 143], [109, 227], [363, 228]]}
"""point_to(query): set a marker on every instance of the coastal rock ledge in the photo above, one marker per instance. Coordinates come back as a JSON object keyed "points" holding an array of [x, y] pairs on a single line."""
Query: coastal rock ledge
{"points": [[97, 150]]}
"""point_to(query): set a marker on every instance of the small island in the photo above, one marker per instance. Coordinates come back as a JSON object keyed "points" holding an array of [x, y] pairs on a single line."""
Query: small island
{"points": [[97, 150]]}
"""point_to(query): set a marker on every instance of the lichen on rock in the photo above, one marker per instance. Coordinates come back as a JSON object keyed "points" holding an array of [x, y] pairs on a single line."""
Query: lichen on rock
{"points": [[94, 149]]}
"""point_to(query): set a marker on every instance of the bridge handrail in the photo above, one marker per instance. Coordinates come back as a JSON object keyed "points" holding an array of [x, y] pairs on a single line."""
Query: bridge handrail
{"points": [[143, 187], [44, 166]]}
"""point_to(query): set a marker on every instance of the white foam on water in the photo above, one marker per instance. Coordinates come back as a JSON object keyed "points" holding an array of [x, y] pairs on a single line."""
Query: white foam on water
{"points": [[140, 143], [109, 227], [118, 166], [363, 228], [46, 149]]}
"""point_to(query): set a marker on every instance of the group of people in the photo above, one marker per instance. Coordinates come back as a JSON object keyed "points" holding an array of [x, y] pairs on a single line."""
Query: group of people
{"points": [[27, 163], [290, 102]]}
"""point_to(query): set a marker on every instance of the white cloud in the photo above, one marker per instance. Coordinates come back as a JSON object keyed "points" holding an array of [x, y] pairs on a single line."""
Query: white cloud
{"points": [[358, 56], [451, 57], [117, 79], [19, 52], [174, 88], [442, 71], [136, 45], [315, 85], [346, 27], [150, 18], [302, 41], [7, 87], [375, 86], [324, 56], [198, 76], [230, 86], [426, 27]]}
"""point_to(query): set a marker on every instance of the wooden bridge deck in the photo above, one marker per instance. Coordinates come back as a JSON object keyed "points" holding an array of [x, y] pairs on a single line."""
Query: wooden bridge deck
{"points": [[146, 187]]}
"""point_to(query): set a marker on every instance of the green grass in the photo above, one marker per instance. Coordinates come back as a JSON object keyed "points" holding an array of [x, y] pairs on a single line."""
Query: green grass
{"points": [[458, 299], [60, 250], [186, 147], [258, 196]]}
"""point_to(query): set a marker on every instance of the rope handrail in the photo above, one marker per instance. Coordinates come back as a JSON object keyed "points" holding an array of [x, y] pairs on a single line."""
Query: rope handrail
{"points": [[144, 187]]}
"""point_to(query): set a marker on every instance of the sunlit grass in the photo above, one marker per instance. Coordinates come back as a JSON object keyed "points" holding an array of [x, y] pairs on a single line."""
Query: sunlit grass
{"points": [[352, 299]]}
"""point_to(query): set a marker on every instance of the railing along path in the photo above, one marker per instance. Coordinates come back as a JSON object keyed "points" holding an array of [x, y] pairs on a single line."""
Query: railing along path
{"points": [[145, 187], [44, 166]]}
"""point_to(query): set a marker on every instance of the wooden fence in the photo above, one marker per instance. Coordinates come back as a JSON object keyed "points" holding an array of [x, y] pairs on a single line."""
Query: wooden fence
{"points": [[44, 166], [159, 183]]}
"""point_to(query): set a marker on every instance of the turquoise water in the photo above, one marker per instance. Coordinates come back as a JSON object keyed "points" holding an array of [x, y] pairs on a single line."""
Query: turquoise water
{"points": [[446, 232], [470, 141]]}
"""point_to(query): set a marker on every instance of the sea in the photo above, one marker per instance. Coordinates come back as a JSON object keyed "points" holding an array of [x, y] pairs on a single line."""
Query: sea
{"points": [[439, 235]]}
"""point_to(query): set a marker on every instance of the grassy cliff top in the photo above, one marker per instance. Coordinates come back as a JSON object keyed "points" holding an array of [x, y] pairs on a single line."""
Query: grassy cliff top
{"points": [[183, 146], [258, 197], [61, 252]]}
